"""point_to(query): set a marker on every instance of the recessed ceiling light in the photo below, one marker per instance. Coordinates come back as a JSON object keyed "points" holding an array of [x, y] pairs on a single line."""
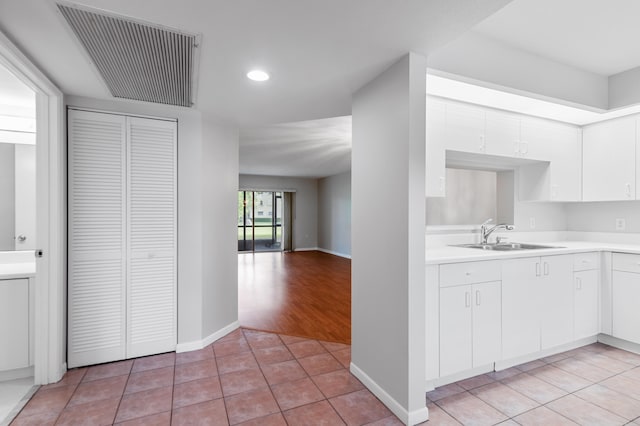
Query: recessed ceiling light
{"points": [[257, 75]]}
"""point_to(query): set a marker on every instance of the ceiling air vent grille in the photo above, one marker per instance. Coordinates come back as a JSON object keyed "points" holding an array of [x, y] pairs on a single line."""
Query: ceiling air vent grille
{"points": [[137, 61]]}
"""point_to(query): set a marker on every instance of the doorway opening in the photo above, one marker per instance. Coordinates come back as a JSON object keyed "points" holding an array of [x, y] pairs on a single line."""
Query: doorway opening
{"points": [[260, 221], [17, 240]]}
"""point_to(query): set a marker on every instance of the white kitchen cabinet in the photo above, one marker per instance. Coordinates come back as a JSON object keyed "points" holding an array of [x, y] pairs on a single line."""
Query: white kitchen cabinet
{"points": [[502, 134], [122, 237], [469, 326], [465, 127], [14, 324], [556, 301], [487, 322], [537, 308], [625, 297], [520, 294], [626, 315], [586, 294], [586, 290], [435, 148], [559, 178], [456, 338], [609, 160]]}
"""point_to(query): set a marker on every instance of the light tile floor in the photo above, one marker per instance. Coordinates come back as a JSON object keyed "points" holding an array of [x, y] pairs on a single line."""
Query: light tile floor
{"points": [[247, 377], [592, 385], [256, 378]]}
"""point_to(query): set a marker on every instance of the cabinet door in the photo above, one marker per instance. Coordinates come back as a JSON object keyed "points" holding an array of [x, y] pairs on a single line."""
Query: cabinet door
{"points": [[435, 148], [14, 324], [586, 286], [626, 316], [556, 303], [566, 165], [520, 317], [97, 250], [502, 133], [151, 225], [455, 329], [536, 138], [487, 322], [609, 160], [465, 127]]}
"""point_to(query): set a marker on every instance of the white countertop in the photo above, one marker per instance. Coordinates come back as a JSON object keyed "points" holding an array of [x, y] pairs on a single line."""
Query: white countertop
{"points": [[449, 254], [17, 270]]}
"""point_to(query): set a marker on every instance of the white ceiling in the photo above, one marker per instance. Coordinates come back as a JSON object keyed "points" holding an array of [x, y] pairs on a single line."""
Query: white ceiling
{"points": [[317, 52], [314, 149], [599, 36]]}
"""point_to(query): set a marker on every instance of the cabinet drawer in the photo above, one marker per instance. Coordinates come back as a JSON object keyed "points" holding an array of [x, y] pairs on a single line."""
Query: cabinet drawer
{"points": [[470, 272], [586, 261], [626, 262]]}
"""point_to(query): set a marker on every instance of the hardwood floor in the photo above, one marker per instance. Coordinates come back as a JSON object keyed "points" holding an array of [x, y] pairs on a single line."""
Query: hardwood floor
{"points": [[306, 294]]}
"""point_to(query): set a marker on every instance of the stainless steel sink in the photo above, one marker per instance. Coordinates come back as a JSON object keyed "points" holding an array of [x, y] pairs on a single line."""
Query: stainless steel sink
{"points": [[507, 246]]}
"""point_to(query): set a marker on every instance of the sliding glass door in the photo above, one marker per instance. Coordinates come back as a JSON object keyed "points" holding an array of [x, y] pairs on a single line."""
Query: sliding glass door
{"points": [[259, 221]]}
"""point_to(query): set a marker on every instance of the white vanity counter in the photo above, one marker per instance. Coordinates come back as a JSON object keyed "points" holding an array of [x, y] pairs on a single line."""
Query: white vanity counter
{"points": [[17, 264], [450, 254]]}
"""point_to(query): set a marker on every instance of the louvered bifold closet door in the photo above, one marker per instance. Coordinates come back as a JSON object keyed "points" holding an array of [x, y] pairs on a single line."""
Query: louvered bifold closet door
{"points": [[96, 293], [151, 296]]}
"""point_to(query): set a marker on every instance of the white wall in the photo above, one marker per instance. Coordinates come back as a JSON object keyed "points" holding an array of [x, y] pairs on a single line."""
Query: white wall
{"points": [[198, 141], [219, 226], [480, 58], [25, 224], [624, 89], [305, 204], [334, 214], [7, 196], [388, 272], [601, 217]]}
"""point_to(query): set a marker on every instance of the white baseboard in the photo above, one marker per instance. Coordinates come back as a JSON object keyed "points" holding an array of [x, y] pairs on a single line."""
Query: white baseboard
{"points": [[20, 373], [508, 363], [199, 344], [306, 249], [409, 418], [335, 253], [619, 343]]}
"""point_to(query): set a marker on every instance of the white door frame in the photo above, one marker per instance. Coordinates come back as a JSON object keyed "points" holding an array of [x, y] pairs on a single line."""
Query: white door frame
{"points": [[50, 352]]}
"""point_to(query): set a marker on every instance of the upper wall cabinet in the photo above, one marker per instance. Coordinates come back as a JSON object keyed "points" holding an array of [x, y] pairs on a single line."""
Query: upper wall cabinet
{"points": [[465, 128], [609, 160], [560, 178], [502, 134]]}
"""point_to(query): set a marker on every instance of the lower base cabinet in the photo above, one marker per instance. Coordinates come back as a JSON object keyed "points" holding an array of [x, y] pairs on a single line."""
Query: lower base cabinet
{"points": [[470, 322], [14, 324], [586, 289], [626, 315]]}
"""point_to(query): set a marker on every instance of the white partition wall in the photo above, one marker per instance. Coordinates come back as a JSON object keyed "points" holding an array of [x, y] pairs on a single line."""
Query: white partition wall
{"points": [[122, 237]]}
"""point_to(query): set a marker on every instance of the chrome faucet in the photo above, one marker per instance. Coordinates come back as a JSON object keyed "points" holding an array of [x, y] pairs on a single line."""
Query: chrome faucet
{"points": [[485, 231]]}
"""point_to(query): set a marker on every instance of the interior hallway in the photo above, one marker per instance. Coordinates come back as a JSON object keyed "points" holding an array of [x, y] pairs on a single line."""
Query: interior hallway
{"points": [[247, 377], [305, 294]]}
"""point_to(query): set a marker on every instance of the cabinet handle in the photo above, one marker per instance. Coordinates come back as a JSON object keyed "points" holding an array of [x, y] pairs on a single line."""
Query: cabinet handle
{"points": [[579, 283], [467, 299], [481, 143], [546, 268], [477, 297], [524, 147], [628, 189], [537, 269]]}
